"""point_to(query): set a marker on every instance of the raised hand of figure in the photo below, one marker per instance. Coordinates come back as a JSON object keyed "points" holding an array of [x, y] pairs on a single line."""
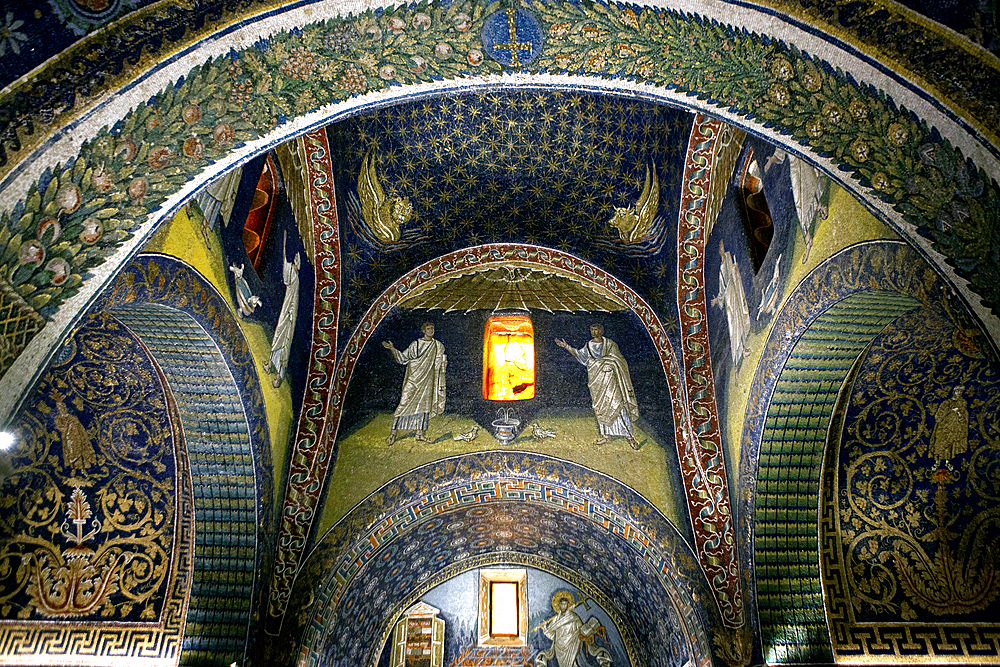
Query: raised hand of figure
{"points": [[388, 345]]}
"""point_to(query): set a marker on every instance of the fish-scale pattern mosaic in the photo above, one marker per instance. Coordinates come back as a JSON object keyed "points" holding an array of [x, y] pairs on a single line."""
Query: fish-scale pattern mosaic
{"points": [[790, 599], [537, 534], [222, 473]]}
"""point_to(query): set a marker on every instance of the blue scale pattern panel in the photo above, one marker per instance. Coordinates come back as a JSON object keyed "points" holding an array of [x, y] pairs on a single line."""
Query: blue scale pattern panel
{"points": [[786, 546], [222, 474]]}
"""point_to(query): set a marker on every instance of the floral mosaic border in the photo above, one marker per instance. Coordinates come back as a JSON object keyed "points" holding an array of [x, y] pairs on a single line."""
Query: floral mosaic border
{"points": [[108, 59], [703, 441]]}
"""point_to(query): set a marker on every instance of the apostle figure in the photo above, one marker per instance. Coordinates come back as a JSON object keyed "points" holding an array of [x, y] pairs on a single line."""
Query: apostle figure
{"points": [[733, 301], [568, 633], [285, 329], [610, 385], [423, 394], [951, 429], [809, 187]]}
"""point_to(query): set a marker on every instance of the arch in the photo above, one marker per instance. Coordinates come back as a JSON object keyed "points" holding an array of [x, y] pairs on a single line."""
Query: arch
{"points": [[309, 465], [813, 119], [889, 274], [792, 619], [188, 330], [428, 504]]}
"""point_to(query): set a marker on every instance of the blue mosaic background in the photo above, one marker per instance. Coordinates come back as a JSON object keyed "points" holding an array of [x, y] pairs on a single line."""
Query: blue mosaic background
{"points": [[520, 508], [116, 446]]}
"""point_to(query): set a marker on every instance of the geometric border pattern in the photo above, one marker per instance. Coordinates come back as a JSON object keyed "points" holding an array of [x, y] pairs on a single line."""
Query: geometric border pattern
{"points": [[754, 80], [307, 463], [311, 464], [708, 474], [858, 642]]}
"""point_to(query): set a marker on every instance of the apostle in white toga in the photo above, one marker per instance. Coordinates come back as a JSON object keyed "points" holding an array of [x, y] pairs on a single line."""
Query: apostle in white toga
{"points": [[733, 301], [284, 330], [610, 385], [423, 394]]}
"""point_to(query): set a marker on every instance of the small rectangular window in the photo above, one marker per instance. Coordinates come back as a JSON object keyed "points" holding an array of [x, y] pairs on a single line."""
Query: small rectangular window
{"points": [[503, 607]]}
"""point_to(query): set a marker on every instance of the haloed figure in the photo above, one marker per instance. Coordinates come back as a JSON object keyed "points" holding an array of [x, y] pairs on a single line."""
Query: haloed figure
{"points": [[423, 394], [610, 385]]}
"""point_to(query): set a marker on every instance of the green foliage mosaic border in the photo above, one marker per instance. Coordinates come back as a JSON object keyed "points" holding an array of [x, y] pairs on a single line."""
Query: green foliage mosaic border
{"points": [[80, 212]]}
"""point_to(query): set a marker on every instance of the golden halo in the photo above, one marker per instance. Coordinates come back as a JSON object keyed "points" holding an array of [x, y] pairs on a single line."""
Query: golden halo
{"points": [[559, 597]]}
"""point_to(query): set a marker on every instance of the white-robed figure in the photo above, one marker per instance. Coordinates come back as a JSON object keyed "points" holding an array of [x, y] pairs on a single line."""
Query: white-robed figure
{"points": [[568, 633], [809, 187], [733, 301], [423, 394], [610, 385], [284, 331]]}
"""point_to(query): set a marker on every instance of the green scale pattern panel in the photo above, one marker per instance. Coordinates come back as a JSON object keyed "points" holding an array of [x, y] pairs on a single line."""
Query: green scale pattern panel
{"points": [[786, 547], [222, 475]]}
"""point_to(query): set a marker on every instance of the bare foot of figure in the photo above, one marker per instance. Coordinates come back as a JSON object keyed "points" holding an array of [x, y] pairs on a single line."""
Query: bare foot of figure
{"points": [[602, 441], [633, 444], [391, 439]]}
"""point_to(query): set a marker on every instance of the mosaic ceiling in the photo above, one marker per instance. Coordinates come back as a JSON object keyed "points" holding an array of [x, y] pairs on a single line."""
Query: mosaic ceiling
{"points": [[543, 168], [600, 193]]}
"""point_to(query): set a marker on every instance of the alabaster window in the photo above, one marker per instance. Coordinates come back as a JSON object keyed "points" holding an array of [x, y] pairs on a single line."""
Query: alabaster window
{"points": [[509, 358], [503, 607]]}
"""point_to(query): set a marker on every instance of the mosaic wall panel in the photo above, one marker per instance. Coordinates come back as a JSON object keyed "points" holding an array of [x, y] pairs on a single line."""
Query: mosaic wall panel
{"points": [[884, 151], [95, 510], [532, 534], [612, 516], [222, 476], [879, 265], [790, 600], [911, 551], [194, 336]]}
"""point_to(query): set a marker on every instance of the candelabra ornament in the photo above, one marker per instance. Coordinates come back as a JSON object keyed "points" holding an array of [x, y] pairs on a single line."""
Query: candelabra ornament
{"points": [[506, 425]]}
